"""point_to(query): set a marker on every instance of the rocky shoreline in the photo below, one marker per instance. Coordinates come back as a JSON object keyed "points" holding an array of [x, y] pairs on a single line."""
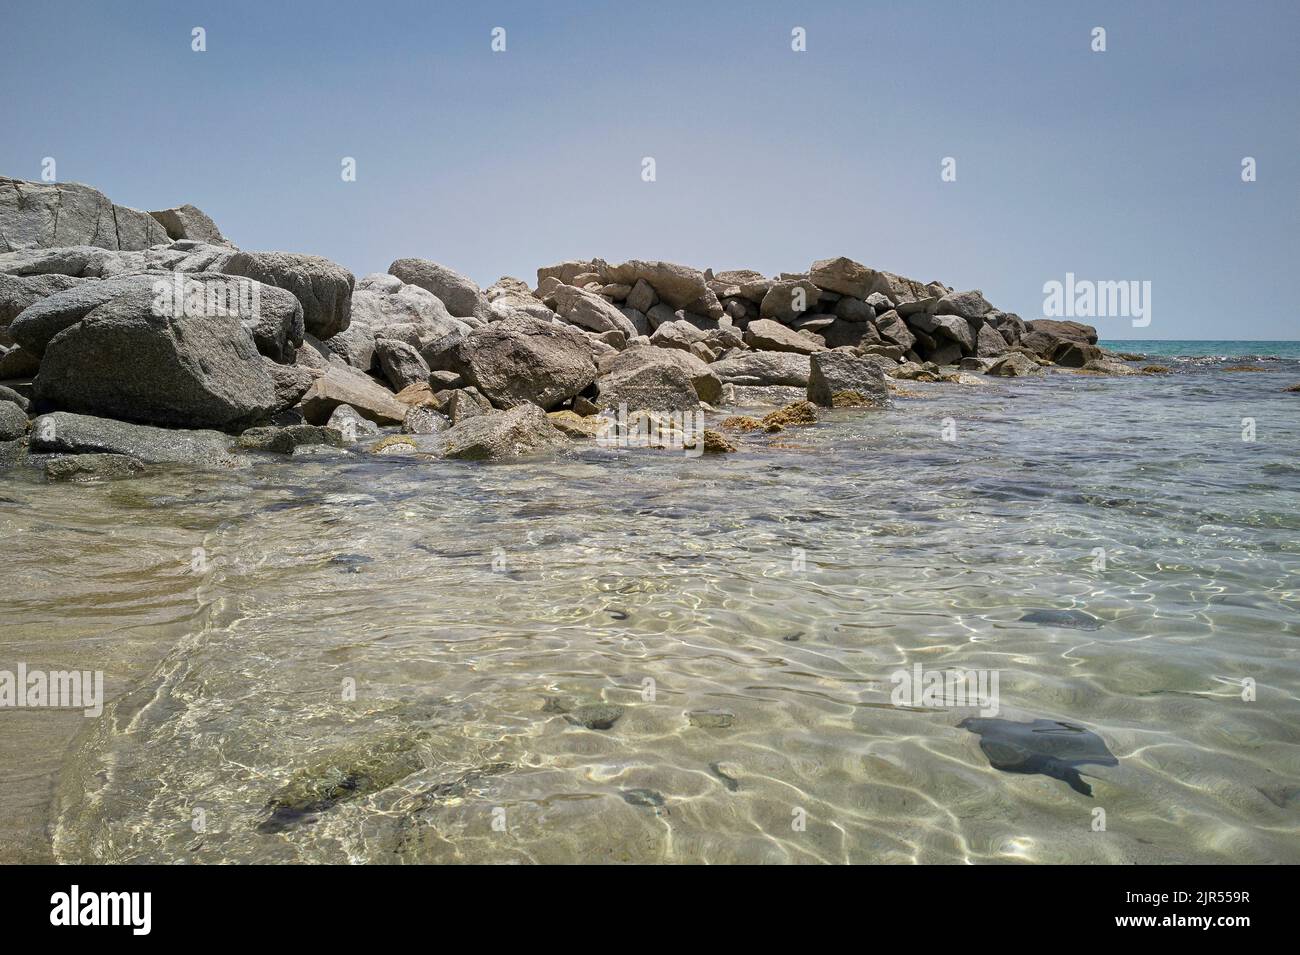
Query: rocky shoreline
{"points": [[130, 339]]}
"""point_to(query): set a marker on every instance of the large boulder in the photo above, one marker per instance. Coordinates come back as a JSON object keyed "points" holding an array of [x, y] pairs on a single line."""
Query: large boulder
{"points": [[844, 276], [893, 329], [273, 316], [1071, 354], [401, 363], [587, 310], [323, 287], [524, 360], [1070, 331], [340, 385], [13, 421], [461, 295], [904, 291], [381, 300], [517, 432], [708, 387], [63, 433], [18, 292], [763, 368], [123, 361], [679, 286], [834, 372], [767, 335], [42, 215], [651, 384], [989, 343]]}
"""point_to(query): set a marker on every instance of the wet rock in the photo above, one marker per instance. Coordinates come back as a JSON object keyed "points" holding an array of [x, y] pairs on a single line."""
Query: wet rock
{"points": [[595, 716], [394, 444], [716, 443], [324, 288], [748, 423], [578, 426], [91, 467], [350, 424], [1105, 367], [711, 719], [1014, 365], [646, 798], [1072, 619], [520, 431], [61, 432], [798, 413], [1050, 747], [835, 372], [1163, 370], [288, 439], [349, 772]]}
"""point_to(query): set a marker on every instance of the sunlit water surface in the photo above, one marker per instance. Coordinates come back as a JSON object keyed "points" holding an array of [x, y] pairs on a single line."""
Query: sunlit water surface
{"points": [[471, 606]]}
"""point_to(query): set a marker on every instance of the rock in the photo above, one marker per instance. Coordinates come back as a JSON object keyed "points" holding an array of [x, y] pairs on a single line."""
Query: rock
{"points": [[588, 310], [355, 345], [763, 368], [1071, 331], [343, 386], [711, 719], [767, 335], [89, 467], [679, 286], [350, 424], [972, 363], [717, 443], [464, 403], [842, 334], [9, 394], [1154, 370], [677, 334], [901, 291], [324, 288], [17, 292], [782, 301], [892, 328], [989, 343], [747, 284], [42, 215], [971, 305], [422, 419], [942, 328], [854, 310], [1107, 367], [754, 396], [649, 385], [286, 440], [18, 362], [522, 360], [179, 371], [291, 382], [642, 297], [13, 421], [1073, 354], [394, 444], [38, 323], [64, 433], [520, 431], [1010, 326], [381, 300], [798, 413], [401, 363], [578, 426], [460, 294], [747, 423], [1014, 365], [597, 716], [832, 372], [844, 276], [707, 385], [187, 222], [947, 353]]}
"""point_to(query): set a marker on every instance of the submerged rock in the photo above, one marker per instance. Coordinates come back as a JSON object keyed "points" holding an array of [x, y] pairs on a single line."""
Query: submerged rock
{"points": [[89, 467], [518, 432], [595, 716], [347, 773], [1049, 747], [1072, 619]]}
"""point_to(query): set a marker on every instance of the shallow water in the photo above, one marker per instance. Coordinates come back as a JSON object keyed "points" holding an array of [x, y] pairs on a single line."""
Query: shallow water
{"points": [[477, 607]]}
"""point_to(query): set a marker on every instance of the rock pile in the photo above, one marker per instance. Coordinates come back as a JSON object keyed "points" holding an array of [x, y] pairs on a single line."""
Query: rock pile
{"points": [[150, 321]]}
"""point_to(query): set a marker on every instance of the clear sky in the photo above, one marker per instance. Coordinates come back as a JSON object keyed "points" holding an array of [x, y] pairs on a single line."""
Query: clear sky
{"points": [[1122, 165]]}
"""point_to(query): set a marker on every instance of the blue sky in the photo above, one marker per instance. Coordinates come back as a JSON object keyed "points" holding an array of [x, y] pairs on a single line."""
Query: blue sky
{"points": [[1123, 165]]}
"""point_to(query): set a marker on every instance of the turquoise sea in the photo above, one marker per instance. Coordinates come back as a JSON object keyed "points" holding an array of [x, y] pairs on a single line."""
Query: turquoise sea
{"points": [[1173, 348]]}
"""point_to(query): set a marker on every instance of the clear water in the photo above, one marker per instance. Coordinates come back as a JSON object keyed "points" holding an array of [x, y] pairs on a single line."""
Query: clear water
{"points": [[1221, 351], [783, 584]]}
